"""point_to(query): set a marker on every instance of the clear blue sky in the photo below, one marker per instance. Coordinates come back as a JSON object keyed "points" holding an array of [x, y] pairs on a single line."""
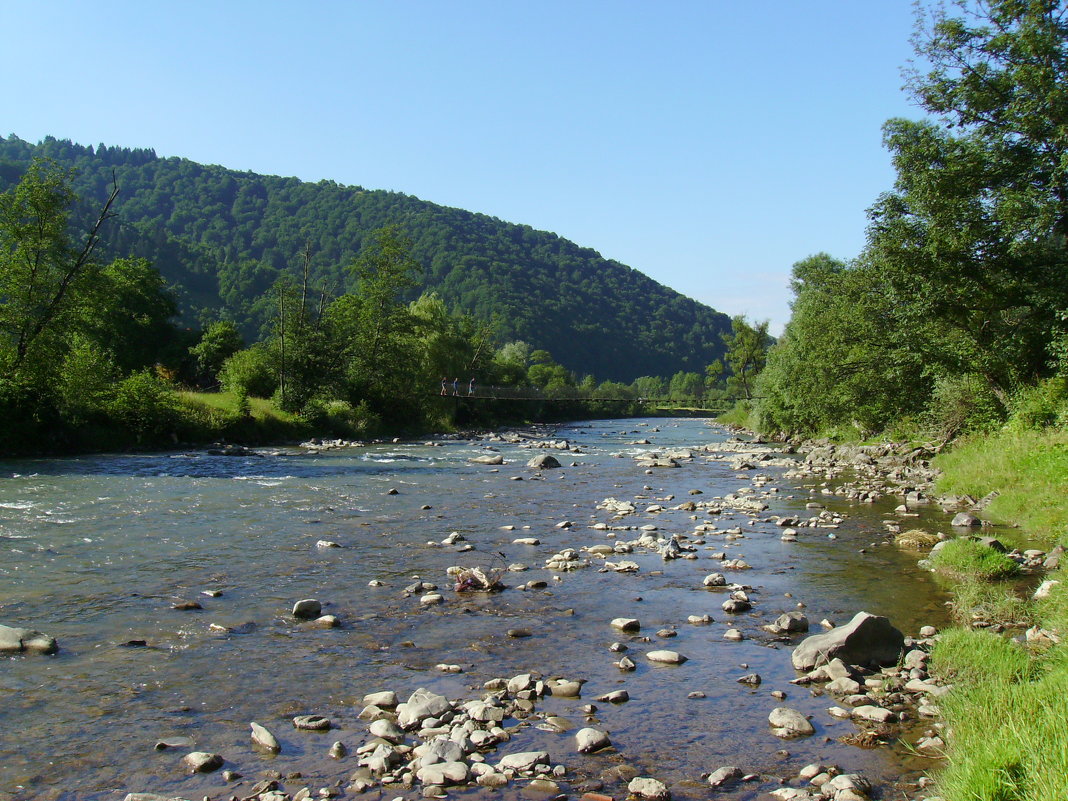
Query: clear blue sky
{"points": [[708, 143]]}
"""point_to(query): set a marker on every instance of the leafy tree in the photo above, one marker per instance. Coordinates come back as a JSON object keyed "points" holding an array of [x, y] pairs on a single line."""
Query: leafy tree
{"points": [[686, 386], [998, 75], [649, 387], [219, 342], [41, 270], [844, 358], [509, 365], [251, 372], [747, 349]]}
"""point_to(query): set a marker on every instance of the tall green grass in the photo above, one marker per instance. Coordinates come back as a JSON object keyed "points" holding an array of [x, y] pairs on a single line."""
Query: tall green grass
{"points": [[1028, 468], [1007, 714]]}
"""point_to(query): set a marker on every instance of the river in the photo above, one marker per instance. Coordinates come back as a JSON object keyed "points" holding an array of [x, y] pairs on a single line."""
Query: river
{"points": [[96, 551]]}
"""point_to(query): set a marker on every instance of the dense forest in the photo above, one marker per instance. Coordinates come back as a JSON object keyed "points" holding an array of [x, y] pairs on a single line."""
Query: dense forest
{"points": [[221, 239]]}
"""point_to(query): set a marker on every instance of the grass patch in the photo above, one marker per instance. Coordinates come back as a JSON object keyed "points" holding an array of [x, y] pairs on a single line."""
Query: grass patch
{"points": [[969, 656], [1008, 718], [208, 416], [1028, 468], [742, 414], [966, 558], [994, 602], [916, 539]]}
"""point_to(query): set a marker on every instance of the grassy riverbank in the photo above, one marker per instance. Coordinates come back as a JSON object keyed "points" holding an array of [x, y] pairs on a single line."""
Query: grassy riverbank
{"points": [[157, 416], [1007, 715]]}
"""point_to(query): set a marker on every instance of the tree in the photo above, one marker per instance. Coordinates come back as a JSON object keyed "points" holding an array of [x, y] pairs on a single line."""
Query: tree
{"points": [[998, 75], [219, 342], [747, 350], [41, 270], [844, 358]]}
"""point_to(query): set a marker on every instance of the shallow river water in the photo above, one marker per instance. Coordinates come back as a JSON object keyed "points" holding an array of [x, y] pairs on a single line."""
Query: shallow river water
{"points": [[96, 550]]}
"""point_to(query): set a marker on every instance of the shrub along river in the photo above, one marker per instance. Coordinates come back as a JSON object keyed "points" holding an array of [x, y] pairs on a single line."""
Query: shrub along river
{"points": [[98, 552]]}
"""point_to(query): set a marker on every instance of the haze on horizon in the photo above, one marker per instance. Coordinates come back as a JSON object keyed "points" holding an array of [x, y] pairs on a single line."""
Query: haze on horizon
{"points": [[708, 145]]}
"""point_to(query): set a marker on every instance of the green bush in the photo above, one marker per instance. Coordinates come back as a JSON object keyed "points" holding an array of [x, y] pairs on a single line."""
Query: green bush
{"points": [[1040, 406], [145, 405], [251, 372], [963, 404], [86, 382]]}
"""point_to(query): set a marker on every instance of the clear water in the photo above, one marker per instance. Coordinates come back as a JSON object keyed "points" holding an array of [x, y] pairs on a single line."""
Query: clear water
{"points": [[96, 550]]}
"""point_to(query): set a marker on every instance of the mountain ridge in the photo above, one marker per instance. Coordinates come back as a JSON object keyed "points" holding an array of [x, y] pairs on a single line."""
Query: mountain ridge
{"points": [[222, 237]]}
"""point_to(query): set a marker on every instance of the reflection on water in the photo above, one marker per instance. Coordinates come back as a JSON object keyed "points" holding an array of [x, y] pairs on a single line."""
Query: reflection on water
{"points": [[97, 550]]}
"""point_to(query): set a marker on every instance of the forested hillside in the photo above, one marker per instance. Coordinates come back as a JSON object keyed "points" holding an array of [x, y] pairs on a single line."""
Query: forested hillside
{"points": [[222, 238]]}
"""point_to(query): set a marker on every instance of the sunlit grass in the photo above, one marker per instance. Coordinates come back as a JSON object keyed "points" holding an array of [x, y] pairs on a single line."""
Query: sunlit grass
{"points": [[1028, 468], [970, 559]]}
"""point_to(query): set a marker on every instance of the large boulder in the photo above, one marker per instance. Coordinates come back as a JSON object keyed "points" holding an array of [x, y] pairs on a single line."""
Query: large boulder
{"points": [[863, 640], [543, 462], [18, 640]]}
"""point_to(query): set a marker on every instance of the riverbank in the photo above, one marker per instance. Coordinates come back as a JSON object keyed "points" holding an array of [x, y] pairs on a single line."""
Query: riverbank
{"points": [[164, 418], [1008, 659]]}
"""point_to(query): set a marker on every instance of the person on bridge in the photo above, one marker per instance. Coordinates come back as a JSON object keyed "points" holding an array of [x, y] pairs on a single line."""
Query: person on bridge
{"points": [[471, 387], [444, 383], [456, 386]]}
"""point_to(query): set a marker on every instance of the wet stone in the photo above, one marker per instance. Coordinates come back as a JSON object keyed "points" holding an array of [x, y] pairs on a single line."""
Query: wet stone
{"points": [[311, 723]]}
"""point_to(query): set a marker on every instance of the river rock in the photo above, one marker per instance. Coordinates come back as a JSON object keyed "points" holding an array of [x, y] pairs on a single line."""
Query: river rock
{"points": [[792, 623], [386, 699], [873, 714], [307, 609], [387, 730], [422, 704], [965, 520], [19, 640], [721, 776], [864, 640], [494, 459], [653, 789], [588, 740], [543, 462], [311, 723], [566, 688], [264, 739], [786, 722], [666, 657], [443, 773], [202, 762], [523, 761], [627, 624]]}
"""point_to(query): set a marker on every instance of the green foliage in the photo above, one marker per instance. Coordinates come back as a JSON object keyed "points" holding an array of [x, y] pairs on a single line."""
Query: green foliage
{"points": [[251, 372], [968, 558], [1042, 405], [1004, 719], [144, 405], [223, 238], [219, 342], [86, 381], [747, 353], [963, 404], [959, 298], [842, 360], [970, 655]]}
